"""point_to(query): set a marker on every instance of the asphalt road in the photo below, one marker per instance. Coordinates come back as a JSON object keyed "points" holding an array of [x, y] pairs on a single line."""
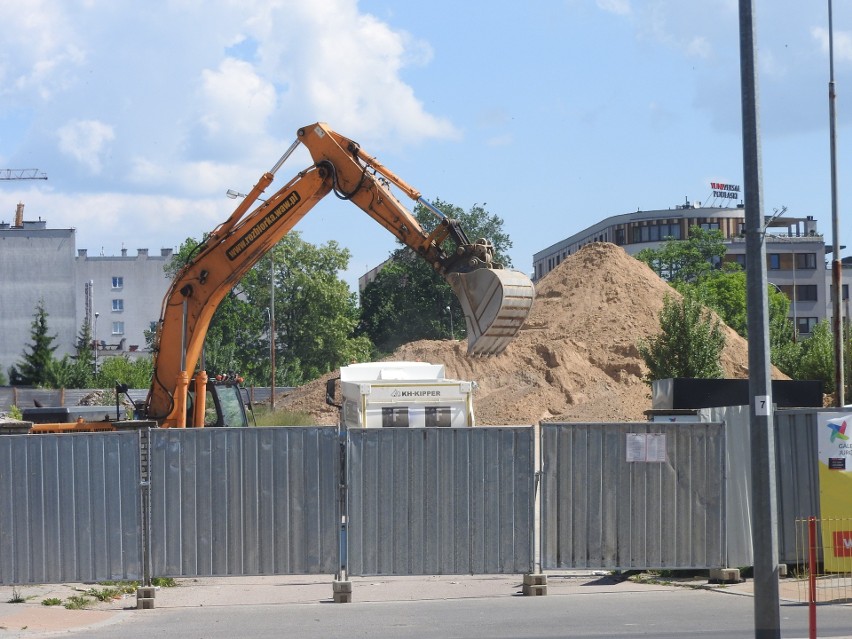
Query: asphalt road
{"points": [[675, 612]]}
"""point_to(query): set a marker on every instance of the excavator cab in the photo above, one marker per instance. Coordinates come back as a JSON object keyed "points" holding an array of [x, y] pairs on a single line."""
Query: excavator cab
{"points": [[227, 405]]}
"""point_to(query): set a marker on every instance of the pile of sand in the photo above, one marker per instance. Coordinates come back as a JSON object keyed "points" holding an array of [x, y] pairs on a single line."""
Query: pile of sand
{"points": [[576, 357]]}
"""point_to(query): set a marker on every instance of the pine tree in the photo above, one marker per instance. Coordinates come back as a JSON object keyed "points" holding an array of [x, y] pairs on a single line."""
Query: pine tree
{"points": [[35, 368]]}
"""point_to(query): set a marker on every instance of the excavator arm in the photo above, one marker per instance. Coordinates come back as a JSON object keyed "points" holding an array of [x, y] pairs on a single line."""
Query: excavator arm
{"points": [[495, 301]]}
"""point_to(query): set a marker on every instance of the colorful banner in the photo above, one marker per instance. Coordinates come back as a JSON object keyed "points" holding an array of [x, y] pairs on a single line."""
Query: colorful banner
{"points": [[834, 441]]}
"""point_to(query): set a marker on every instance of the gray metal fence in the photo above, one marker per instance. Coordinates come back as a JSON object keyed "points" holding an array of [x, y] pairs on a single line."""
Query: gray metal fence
{"points": [[70, 508], [633, 496], [246, 501], [797, 475], [440, 501]]}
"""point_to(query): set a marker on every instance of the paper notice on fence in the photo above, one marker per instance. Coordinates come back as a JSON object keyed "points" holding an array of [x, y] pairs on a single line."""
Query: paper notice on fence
{"points": [[646, 447]]}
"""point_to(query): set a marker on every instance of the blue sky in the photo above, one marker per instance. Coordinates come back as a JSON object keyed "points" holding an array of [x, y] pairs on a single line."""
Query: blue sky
{"points": [[555, 115]]}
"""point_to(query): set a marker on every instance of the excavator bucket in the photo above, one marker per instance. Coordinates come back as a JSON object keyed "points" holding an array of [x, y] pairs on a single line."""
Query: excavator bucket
{"points": [[496, 303]]}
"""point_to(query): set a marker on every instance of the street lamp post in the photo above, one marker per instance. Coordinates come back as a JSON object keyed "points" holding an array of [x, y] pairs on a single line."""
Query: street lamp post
{"points": [[450, 312], [95, 340]]}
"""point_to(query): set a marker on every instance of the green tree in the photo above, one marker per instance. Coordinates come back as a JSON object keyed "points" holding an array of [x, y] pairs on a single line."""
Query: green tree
{"points": [[34, 369], [408, 301], [315, 312], [725, 291], [136, 373], [689, 345], [315, 315], [686, 260], [78, 370], [688, 265], [816, 357]]}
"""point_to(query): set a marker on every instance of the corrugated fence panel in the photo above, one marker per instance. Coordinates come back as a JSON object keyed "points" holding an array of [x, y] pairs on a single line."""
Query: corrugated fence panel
{"points": [[245, 501], [601, 511], [70, 508], [440, 501], [797, 473]]}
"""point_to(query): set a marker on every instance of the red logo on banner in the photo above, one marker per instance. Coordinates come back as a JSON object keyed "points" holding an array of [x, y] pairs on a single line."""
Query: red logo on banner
{"points": [[843, 543]]}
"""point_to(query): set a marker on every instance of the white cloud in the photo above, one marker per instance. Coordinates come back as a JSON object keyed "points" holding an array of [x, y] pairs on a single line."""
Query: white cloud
{"points": [[41, 49], [86, 141], [236, 88], [344, 67], [842, 43], [619, 7]]}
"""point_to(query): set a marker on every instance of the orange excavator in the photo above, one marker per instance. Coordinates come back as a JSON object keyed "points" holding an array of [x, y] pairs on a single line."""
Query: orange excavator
{"points": [[495, 301]]}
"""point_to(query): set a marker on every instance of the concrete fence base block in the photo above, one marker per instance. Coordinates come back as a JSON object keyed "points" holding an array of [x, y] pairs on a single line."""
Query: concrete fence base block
{"points": [[725, 576], [342, 591], [145, 597], [782, 570], [534, 585]]}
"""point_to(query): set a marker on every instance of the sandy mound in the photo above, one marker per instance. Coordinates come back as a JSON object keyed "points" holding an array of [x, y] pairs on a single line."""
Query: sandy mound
{"points": [[576, 357]]}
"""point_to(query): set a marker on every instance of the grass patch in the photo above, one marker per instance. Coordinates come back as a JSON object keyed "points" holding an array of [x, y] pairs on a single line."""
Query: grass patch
{"points": [[105, 594], [51, 601], [283, 418], [164, 582], [123, 587], [77, 602]]}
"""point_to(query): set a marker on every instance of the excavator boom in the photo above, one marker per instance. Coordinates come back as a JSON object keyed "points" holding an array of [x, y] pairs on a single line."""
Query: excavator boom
{"points": [[495, 301]]}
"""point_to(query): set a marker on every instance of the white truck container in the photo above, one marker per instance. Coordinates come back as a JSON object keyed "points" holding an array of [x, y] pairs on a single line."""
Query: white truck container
{"points": [[403, 395]]}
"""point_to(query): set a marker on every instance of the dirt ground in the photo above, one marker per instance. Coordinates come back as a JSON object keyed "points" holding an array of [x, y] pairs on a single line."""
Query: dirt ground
{"points": [[576, 358]]}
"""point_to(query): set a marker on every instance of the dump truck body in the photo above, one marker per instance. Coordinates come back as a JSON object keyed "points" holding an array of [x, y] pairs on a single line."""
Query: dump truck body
{"points": [[403, 395]]}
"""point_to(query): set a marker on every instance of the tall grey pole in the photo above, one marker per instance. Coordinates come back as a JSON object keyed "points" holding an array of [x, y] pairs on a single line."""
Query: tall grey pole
{"points": [[272, 332], [767, 614], [836, 264]]}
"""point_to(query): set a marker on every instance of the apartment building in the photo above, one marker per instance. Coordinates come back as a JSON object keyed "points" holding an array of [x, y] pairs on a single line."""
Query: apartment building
{"points": [[119, 297], [795, 251]]}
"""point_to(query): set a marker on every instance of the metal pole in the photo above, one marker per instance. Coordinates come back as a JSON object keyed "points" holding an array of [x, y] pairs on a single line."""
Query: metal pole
{"points": [[812, 568], [95, 339], [836, 265], [767, 615], [272, 332]]}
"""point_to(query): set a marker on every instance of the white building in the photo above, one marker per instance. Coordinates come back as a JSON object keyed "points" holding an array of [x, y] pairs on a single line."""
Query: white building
{"points": [[795, 251]]}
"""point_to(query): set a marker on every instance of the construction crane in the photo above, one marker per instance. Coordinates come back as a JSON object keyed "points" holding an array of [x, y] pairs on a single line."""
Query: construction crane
{"points": [[22, 174]]}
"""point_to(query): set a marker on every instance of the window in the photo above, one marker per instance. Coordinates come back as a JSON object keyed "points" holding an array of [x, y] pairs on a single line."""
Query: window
{"points": [[619, 237], [845, 292], [805, 325], [774, 261], [117, 281], [670, 231], [805, 261], [806, 293], [118, 305], [118, 328], [739, 258], [710, 226], [394, 417]]}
